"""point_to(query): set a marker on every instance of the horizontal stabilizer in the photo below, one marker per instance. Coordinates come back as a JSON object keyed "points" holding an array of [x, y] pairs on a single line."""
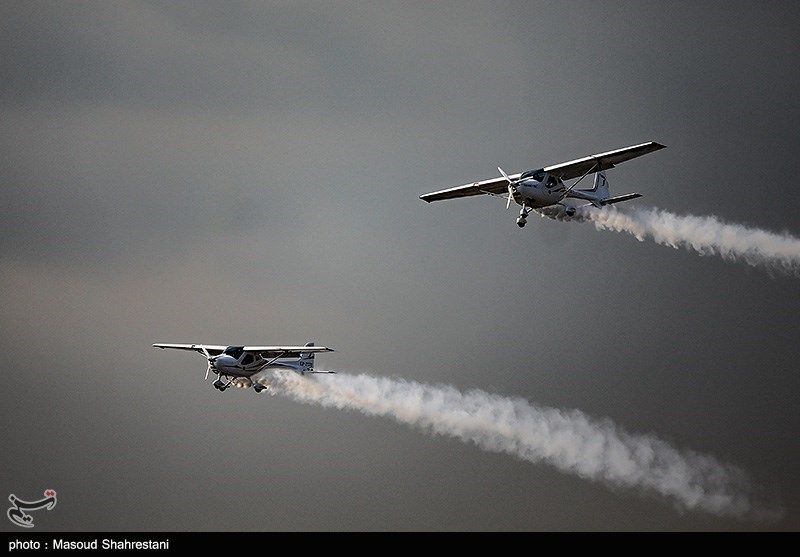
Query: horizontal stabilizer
{"points": [[620, 198]]}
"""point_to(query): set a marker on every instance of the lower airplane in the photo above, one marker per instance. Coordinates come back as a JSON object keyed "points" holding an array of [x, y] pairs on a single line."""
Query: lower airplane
{"points": [[245, 365], [543, 190]]}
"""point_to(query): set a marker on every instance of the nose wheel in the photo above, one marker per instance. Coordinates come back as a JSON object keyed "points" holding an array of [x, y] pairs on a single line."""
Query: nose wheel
{"points": [[522, 219], [220, 386]]}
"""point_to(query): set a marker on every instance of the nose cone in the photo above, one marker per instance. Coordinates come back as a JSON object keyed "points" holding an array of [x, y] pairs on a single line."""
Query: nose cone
{"points": [[224, 361]]}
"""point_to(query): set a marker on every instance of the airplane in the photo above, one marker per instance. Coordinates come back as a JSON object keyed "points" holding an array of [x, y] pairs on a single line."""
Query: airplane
{"points": [[543, 190], [244, 366]]}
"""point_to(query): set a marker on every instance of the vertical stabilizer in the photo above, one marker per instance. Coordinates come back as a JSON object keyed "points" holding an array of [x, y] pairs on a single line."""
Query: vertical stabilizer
{"points": [[601, 185], [307, 360]]}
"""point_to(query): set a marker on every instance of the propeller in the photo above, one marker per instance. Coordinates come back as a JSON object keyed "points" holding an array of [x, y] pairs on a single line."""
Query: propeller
{"points": [[511, 188], [208, 357]]}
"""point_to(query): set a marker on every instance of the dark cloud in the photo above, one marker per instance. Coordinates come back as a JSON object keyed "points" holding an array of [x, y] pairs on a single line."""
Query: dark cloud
{"points": [[250, 172]]}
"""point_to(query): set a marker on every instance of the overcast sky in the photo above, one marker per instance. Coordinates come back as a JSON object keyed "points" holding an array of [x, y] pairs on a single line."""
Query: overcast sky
{"points": [[250, 172]]}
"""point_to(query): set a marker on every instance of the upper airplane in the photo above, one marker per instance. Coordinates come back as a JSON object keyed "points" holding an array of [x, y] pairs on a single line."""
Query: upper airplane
{"points": [[544, 191], [244, 366]]}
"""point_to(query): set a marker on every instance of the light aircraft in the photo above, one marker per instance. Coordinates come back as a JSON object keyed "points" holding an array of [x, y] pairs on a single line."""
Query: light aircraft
{"points": [[244, 366], [543, 190]]}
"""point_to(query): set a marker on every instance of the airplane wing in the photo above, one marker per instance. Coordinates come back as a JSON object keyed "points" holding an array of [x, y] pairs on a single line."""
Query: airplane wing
{"points": [[495, 186], [564, 170], [214, 350], [602, 161], [285, 351], [265, 351]]}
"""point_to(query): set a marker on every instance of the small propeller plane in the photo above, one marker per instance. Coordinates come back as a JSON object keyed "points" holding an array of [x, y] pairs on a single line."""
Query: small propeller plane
{"points": [[244, 366], [543, 190]]}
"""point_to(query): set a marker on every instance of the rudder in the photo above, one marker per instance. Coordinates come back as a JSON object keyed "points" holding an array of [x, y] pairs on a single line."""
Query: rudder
{"points": [[601, 185], [307, 359]]}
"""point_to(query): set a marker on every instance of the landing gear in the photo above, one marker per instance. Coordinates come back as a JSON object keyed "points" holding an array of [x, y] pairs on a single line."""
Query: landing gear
{"points": [[522, 219], [220, 386], [259, 387]]}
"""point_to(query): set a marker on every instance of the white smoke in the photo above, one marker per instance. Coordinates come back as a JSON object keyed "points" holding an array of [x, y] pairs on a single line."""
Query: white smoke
{"points": [[567, 439], [704, 235]]}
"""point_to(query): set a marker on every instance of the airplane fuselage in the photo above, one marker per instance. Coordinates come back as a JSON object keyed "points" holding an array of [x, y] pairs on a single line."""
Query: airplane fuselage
{"points": [[243, 367], [537, 194], [544, 190]]}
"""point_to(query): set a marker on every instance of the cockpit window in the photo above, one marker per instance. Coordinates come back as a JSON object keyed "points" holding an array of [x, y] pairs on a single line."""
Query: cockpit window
{"points": [[234, 351], [537, 175], [551, 181], [248, 359]]}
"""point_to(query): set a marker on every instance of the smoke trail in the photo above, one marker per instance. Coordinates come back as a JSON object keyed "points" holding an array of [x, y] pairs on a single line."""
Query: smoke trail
{"points": [[568, 439], [705, 235]]}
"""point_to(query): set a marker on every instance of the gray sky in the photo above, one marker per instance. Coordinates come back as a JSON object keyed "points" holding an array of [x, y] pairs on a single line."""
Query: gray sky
{"points": [[249, 172]]}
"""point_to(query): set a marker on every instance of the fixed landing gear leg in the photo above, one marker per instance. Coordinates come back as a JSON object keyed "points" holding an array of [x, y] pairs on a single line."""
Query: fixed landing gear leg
{"points": [[522, 219], [220, 386]]}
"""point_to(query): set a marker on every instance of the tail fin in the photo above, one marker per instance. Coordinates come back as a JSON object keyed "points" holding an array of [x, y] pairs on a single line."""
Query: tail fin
{"points": [[600, 185], [307, 362], [307, 359]]}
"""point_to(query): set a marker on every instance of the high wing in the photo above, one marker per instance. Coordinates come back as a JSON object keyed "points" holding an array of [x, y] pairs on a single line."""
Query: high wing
{"points": [[495, 186], [602, 161], [265, 351], [213, 350], [285, 351], [564, 170]]}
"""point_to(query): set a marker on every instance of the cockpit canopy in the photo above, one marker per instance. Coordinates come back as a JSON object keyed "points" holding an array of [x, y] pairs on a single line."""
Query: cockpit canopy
{"points": [[234, 351], [537, 175]]}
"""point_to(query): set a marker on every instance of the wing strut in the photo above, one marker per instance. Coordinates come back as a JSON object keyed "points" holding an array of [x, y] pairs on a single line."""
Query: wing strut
{"points": [[585, 174], [272, 361]]}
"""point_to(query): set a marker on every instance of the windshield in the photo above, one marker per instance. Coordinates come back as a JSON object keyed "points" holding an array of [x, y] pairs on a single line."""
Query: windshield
{"points": [[537, 175], [234, 351]]}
